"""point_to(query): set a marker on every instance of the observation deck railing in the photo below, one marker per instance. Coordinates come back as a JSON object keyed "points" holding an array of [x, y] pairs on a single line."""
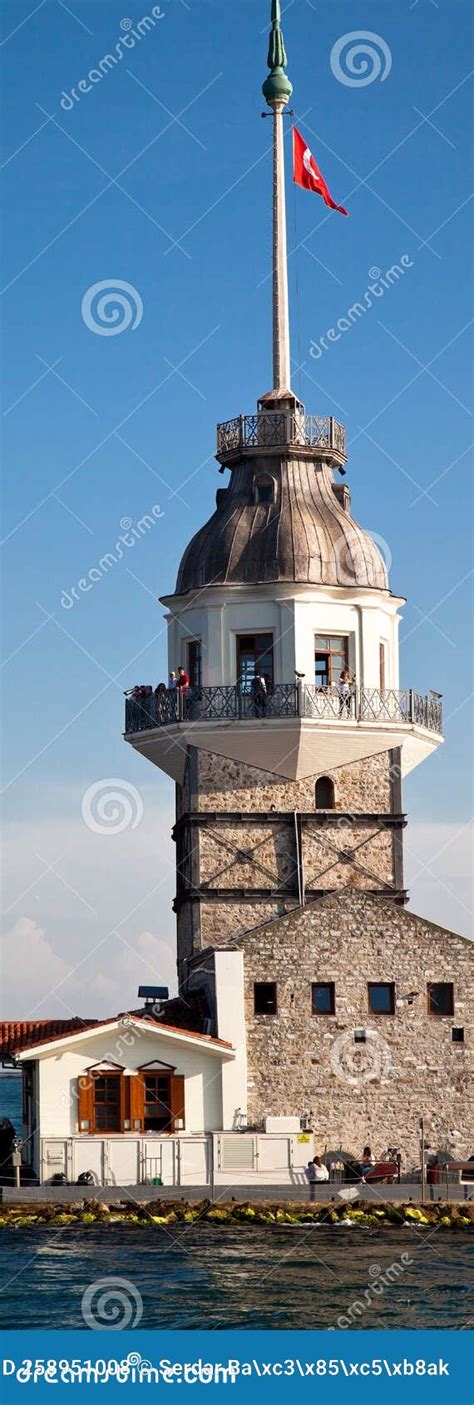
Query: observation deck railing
{"points": [[278, 429], [231, 703]]}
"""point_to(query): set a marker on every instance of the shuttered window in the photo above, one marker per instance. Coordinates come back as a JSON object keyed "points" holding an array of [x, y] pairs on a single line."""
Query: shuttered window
{"points": [[147, 1101], [85, 1089]]}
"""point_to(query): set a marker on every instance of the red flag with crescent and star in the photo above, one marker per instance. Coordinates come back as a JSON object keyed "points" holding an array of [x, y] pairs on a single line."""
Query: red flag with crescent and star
{"points": [[306, 172]]}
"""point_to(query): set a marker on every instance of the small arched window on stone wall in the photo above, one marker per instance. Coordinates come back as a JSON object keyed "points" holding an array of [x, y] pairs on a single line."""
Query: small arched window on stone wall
{"points": [[325, 798], [264, 490]]}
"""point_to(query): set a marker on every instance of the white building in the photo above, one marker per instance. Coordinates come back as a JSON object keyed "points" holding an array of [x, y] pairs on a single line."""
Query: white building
{"points": [[133, 1101]]}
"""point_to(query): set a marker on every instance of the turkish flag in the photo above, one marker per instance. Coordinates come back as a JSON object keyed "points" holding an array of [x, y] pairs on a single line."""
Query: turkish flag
{"points": [[307, 174]]}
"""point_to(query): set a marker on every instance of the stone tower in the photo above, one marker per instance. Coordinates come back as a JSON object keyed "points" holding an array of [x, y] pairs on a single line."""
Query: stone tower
{"points": [[289, 789]]}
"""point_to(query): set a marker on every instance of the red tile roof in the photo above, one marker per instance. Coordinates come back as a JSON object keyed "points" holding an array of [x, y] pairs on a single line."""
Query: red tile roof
{"points": [[19, 1034], [48, 1031]]}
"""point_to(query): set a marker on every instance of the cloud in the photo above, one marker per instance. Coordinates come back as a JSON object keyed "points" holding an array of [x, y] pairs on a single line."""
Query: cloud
{"points": [[29, 967], [92, 911], [89, 915], [438, 864], [38, 982]]}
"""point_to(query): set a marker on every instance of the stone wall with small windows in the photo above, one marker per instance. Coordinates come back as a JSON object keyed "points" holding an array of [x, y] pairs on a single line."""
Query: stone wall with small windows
{"points": [[362, 1090], [220, 783], [219, 859]]}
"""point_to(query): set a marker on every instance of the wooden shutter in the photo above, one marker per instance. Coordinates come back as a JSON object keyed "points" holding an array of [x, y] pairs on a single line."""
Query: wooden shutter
{"points": [[137, 1102], [85, 1099], [177, 1100]]}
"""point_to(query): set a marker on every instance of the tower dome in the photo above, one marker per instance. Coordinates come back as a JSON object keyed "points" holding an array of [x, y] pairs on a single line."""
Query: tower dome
{"points": [[282, 519]]}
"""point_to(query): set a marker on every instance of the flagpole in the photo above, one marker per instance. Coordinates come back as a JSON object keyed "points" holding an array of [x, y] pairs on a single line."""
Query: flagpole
{"points": [[281, 316], [277, 91]]}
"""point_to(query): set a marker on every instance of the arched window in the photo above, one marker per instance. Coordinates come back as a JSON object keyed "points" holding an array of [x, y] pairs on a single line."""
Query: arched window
{"points": [[325, 798], [264, 490]]}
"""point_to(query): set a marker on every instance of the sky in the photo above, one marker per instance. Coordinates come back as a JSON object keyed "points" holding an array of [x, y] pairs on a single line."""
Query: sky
{"points": [[156, 174]]}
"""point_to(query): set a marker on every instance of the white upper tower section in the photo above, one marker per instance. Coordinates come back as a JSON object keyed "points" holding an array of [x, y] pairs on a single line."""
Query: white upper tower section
{"points": [[283, 583]]}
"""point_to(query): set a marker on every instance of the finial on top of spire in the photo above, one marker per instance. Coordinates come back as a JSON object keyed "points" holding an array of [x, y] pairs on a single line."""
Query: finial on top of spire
{"points": [[277, 87]]}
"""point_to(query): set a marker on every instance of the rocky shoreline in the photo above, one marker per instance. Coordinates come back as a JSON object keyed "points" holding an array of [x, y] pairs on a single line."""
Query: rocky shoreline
{"points": [[91, 1212]]}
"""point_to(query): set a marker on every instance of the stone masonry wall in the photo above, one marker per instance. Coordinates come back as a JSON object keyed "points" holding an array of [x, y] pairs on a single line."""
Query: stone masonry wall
{"points": [[231, 785], [264, 856], [361, 1093]]}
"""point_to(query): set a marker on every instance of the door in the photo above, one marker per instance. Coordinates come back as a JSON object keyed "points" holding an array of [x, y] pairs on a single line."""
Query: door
{"points": [[254, 655]]}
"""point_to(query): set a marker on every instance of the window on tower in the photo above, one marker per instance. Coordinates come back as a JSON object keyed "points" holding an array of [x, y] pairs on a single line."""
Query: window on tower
{"points": [[440, 998], [381, 997], [330, 659], [323, 998], [195, 662], [325, 793], [254, 655], [265, 998], [264, 489]]}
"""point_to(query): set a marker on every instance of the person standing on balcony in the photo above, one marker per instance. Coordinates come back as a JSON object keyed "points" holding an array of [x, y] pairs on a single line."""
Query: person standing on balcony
{"points": [[344, 689], [160, 695], [183, 692], [172, 682], [259, 693]]}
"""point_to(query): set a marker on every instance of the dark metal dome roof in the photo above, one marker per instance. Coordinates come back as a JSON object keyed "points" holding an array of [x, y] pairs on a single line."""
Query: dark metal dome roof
{"points": [[304, 535]]}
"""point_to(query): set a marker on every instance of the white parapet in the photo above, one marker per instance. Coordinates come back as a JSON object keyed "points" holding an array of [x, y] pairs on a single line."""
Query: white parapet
{"points": [[222, 1158], [282, 1124]]}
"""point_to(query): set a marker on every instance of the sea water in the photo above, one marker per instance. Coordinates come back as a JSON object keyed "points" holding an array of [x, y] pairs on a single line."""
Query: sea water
{"points": [[195, 1276], [10, 1100]]}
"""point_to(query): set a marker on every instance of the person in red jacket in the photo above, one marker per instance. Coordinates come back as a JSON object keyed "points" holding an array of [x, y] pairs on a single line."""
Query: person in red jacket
{"points": [[182, 681]]}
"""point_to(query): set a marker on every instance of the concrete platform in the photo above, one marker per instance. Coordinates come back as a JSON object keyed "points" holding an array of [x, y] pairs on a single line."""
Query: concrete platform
{"points": [[111, 1195]]}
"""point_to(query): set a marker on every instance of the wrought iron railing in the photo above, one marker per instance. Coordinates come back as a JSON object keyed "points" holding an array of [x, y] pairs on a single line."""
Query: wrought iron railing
{"points": [[230, 703], [273, 429]]}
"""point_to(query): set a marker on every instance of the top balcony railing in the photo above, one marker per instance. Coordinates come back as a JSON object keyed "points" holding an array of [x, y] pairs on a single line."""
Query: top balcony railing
{"points": [[276, 430], [147, 709]]}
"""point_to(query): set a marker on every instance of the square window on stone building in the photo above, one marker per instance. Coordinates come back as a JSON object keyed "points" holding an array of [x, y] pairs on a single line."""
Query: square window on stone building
{"points": [[323, 998], [265, 998], [457, 1035], [440, 998], [381, 997]]}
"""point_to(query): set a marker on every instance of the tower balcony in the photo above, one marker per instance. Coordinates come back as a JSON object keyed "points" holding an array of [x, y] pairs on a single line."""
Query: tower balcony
{"points": [[295, 730], [269, 430]]}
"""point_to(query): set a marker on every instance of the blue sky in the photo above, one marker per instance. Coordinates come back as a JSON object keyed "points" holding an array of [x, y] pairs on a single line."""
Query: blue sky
{"points": [[114, 429]]}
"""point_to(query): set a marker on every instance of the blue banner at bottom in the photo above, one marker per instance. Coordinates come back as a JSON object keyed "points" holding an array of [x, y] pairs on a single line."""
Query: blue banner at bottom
{"points": [[333, 1366]]}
